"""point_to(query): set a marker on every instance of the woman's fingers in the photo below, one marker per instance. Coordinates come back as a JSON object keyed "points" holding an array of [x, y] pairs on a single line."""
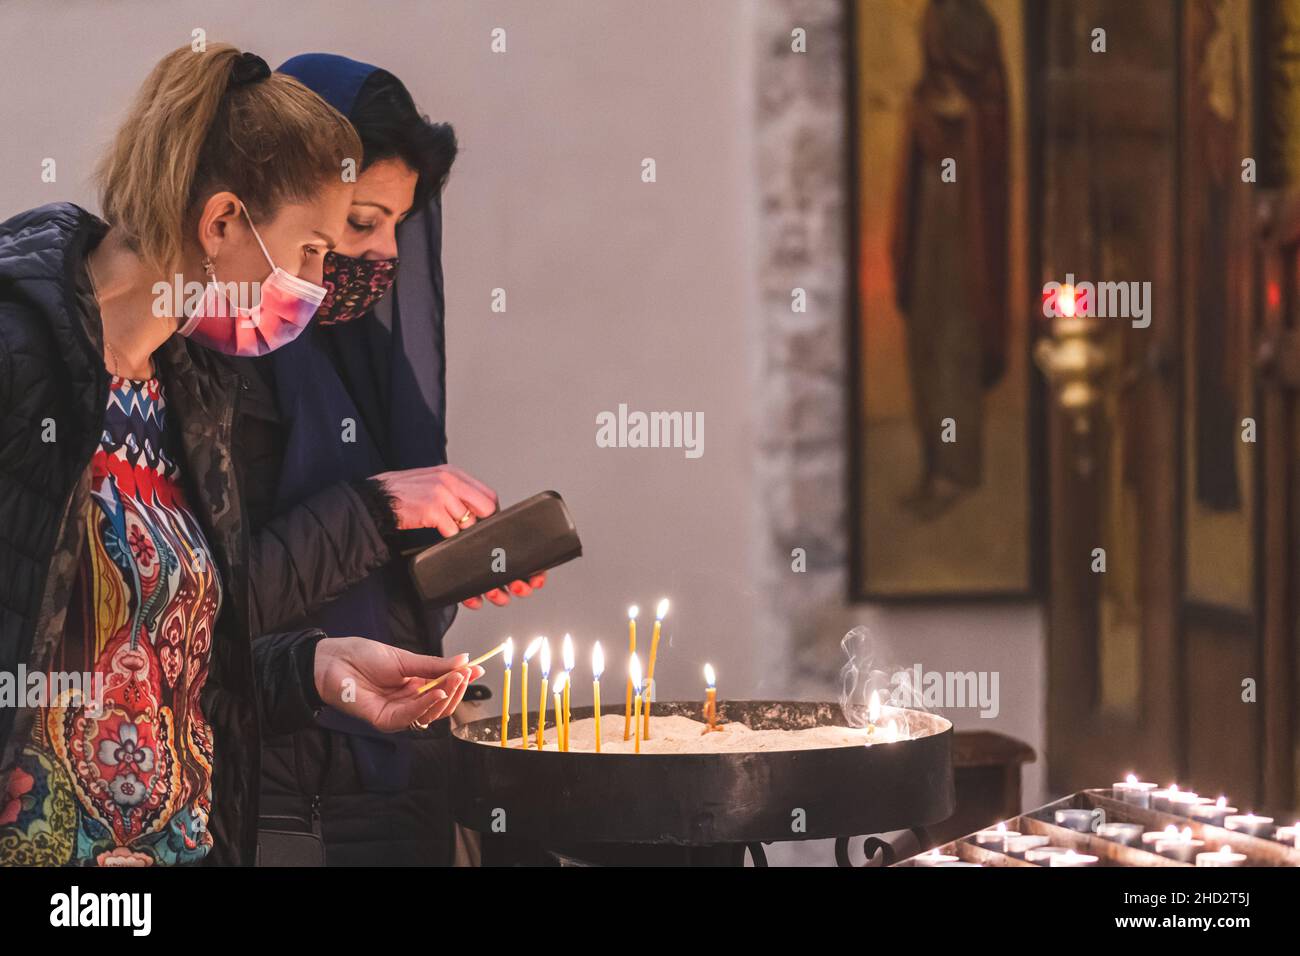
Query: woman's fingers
{"points": [[498, 597], [473, 603]]}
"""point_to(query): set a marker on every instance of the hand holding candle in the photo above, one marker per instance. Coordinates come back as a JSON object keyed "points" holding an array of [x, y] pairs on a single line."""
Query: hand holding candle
{"points": [[474, 663], [507, 656], [597, 668]]}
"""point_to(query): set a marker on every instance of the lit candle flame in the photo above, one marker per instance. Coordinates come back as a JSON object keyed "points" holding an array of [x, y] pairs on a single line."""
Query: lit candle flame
{"points": [[1065, 300], [533, 647], [632, 612], [1222, 802], [509, 653], [1131, 779], [546, 657], [567, 651], [634, 671], [873, 708], [597, 662], [710, 678], [560, 682], [662, 610]]}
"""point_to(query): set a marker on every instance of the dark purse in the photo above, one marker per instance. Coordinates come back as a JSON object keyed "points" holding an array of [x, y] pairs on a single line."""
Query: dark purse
{"points": [[534, 535]]}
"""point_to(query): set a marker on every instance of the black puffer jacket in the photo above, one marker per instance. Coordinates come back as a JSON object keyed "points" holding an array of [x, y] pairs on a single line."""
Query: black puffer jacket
{"points": [[53, 382], [300, 560]]}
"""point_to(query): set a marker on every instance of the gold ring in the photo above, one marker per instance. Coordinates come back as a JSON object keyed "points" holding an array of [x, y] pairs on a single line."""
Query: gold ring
{"points": [[416, 725], [465, 517]]}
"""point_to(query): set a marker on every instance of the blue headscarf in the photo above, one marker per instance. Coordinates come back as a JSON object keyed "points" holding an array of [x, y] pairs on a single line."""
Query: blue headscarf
{"points": [[386, 373]]}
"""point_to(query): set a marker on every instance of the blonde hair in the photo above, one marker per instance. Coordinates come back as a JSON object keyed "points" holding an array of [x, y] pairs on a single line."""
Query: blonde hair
{"points": [[191, 133]]}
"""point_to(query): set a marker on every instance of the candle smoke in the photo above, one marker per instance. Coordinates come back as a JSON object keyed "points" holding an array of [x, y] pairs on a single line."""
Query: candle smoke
{"points": [[866, 672]]}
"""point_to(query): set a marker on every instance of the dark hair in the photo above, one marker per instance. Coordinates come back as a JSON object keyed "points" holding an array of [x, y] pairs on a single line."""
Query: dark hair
{"points": [[391, 127]]}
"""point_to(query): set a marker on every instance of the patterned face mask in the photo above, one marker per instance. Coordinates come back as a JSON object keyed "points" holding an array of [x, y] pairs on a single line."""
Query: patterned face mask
{"points": [[353, 286]]}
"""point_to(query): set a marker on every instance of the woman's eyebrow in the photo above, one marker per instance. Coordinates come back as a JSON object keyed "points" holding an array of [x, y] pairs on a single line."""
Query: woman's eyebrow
{"points": [[329, 243], [380, 206]]}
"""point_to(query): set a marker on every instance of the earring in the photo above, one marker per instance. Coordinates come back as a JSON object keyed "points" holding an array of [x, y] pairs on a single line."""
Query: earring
{"points": [[209, 268]]}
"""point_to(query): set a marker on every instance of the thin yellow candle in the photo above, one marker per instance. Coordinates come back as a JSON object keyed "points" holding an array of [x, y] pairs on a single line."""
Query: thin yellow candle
{"points": [[651, 691], [475, 662], [508, 656], [546, 673], [634, 674], [561, 683], [597, 667], [529, 651], [711, 696], [567, 652], [631, 649]]}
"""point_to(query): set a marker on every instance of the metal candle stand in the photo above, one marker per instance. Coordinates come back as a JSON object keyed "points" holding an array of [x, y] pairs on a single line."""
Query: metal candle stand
{"points": [[703, 808]]}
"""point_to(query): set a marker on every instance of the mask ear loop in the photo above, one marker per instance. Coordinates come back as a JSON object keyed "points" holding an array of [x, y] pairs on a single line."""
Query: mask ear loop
{"points": [[258, 237]]}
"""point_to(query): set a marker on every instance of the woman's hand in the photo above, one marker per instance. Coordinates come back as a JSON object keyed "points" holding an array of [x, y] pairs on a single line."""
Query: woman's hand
{"points": [[380, 684], [442, 497], [500, 598]]}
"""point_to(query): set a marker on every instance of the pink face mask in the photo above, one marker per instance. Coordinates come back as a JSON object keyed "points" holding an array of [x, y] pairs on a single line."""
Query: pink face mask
{"points": [[284, 308]]}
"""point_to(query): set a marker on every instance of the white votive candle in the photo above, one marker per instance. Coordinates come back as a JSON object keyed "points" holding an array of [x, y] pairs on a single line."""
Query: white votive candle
{"points": [[1223, 856], [1250, 824], [1129, 834], [995, 839], [1212, 813], [1134, 791], [1043, 855], [1181, 847], [1152, 837], [1018, 846], [934, 858], [1078, 820], [1182, 801], [1162, 800], [1070, 858]]}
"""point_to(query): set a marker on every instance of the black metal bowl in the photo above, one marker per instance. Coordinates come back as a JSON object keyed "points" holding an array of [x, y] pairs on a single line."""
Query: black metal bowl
{"points": [[705, 798]]}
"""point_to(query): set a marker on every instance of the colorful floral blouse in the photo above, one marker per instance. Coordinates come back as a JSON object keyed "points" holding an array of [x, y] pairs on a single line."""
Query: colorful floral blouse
{"points": [[127, 782]]}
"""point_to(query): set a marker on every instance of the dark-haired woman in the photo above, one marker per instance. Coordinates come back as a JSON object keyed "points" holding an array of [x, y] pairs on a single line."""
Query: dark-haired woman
{"points": [[343, 438], [123, 550]]}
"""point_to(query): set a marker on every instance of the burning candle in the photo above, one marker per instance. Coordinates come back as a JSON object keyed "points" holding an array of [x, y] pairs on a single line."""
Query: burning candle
{"points": [[1133, 791], [1289, 835], [995, 839], [1078, 820], [546, 673], [1183, 801], [1042, 856], [1212, 813], [1152, 837], [509, 654], [597, 668], [651, 692], [1223, 856], [561, 682], [1070, 858], [1250, 824], [710, 697], [1180, 846], [934, 858], [1129, 834], [634, 675], [533, 647], [631, 649], [873, 711], [1163, 799], [1018, 846], [566, 650]]}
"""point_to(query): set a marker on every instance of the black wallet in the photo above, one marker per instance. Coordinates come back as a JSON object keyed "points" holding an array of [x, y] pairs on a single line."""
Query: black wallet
{"points": [[534, 535]]}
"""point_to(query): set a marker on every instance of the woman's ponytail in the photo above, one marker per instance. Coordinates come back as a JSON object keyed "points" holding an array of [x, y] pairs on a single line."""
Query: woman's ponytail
{"points": [[216, 119]]}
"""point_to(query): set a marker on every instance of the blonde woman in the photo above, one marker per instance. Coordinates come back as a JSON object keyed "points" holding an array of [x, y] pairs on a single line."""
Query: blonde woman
{"points": [[123, 551]]}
